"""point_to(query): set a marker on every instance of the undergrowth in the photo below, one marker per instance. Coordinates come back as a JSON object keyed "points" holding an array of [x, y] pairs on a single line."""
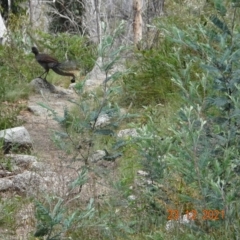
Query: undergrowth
{"points": [[190, 156]]}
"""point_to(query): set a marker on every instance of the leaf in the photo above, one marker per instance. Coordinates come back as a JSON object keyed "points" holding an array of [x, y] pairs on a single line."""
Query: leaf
{"points": [[221, 25], [80, 180], [119, 144], [48, 108], [61, 134], [70, 220], [115, 76], [220, 7], [57, 207], [105, 132], [41, 231], [113, 157], [210, 68]]}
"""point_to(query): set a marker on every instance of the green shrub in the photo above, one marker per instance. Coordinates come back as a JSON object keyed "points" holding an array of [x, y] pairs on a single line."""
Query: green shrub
{"points": [[150, 80], [66, 46], [195, 166]]}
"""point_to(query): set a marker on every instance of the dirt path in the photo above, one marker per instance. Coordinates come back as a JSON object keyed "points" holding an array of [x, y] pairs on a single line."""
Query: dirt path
{"points": [[40, 123]]}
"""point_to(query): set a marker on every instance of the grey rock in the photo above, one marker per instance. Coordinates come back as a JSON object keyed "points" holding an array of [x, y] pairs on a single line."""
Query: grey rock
{"points": [[71, 86], [23, 161], [39, 166], [130, 132], [97, 156], [5, 184], [37, 110], [5, 173], [102, 120], [142, 173], [132, 197], [62, 91], [185, 219], [42, 85], [29, 182], [17, 137], [91, 83]]}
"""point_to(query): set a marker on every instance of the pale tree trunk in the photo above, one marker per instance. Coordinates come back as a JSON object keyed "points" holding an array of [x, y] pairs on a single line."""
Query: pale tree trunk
{"points": [[9, 6], [92, 19], [31, 12], [97, 4], [3, 30], [137, 21], [161, 7]]}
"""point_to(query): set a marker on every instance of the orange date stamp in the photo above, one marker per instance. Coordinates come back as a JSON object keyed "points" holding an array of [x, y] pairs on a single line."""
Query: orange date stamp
{"points": [[206, 214]]}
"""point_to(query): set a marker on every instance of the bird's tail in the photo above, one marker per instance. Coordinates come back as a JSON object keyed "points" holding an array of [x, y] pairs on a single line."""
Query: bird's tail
{"points": [[65, 69], [68, 66]]}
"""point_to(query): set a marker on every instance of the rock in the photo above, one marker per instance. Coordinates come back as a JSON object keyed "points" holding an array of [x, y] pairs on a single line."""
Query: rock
{"points": [[16, 137], [62, 91], [97, 156], [142, 173], [5, 173], [37, 110], [23, 161], [41, 85], [185, 219], [71, 86], [130, 132], [29, 183], [91, 84], [132, 197], [38, 166], [102, 120], [5, 184]]}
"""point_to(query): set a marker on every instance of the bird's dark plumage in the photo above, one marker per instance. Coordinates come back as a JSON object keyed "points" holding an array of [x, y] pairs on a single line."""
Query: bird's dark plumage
{"points": [[48, 62]]}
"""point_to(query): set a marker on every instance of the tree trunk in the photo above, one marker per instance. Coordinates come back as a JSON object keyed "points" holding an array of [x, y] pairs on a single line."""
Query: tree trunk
{"points": [[31, 12], [137, 22], [3, 30], [161, 7], [9, 7], [98, 20]]}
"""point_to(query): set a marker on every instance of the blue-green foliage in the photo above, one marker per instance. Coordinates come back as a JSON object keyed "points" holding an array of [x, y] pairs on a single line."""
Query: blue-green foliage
{"points": [[203, 147]]}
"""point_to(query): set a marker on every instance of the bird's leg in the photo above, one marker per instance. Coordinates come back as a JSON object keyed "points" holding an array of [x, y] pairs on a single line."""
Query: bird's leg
{"points": [[47, 71], [46, 74], [43, 74]]}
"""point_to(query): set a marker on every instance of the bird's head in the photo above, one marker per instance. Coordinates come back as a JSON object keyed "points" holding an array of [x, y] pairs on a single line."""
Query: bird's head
{"points": [[35, 50]]}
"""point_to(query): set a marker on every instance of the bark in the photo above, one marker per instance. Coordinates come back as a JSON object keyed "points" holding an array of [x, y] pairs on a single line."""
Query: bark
{"points": [[31, 12], [137, 22], [38, 16], [98, 20], [3, 30], [9, 7]]}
